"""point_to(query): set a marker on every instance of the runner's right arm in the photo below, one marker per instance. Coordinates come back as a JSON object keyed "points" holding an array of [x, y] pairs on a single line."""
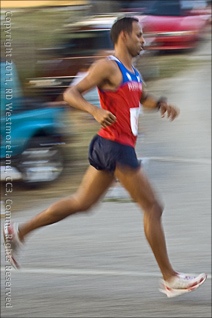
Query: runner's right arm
{"points": [[98, 73]]}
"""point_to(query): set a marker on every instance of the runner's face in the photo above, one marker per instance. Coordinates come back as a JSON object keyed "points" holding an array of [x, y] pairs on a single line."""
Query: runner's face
{"points": [[135, 40]]}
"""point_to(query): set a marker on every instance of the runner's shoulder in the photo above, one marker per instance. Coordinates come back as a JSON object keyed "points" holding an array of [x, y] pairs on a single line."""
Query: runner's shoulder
{"points": [[105, 65]]}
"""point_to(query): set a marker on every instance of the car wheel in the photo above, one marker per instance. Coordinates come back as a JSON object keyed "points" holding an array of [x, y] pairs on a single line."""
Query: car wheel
{"points": [[41, 164]]}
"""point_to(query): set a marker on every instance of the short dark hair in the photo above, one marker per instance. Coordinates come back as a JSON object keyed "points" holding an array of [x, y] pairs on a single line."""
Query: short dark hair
{"points": [[121, 24]]}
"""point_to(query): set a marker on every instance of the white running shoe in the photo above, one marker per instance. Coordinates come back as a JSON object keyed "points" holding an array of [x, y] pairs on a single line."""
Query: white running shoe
{"points": [[12, 244], [182, 283]]}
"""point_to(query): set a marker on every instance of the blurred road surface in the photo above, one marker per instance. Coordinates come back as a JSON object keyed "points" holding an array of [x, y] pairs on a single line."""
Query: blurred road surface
{"points": [[100, 265]]}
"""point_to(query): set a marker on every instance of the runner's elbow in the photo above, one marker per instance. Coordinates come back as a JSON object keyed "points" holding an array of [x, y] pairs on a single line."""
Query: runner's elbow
{"points": [[67, 94]]}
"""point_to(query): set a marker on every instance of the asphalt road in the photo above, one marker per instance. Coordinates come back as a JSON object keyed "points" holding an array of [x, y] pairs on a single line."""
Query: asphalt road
{"points": [[100, 265]]}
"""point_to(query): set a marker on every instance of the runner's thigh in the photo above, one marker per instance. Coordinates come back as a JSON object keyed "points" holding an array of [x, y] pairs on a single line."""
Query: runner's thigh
{"points": [[137, 184], [94, 185]]}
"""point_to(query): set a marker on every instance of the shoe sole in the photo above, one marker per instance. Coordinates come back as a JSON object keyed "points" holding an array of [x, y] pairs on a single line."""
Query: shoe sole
{"points": [[9, 257], [169, 292]]}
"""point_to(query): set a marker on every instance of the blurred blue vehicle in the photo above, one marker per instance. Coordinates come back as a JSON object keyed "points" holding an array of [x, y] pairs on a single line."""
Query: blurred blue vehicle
{"points": [[32, 133]]}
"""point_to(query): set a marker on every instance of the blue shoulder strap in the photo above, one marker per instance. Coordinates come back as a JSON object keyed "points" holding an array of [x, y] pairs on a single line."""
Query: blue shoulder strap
{"points": [[127, 75]]}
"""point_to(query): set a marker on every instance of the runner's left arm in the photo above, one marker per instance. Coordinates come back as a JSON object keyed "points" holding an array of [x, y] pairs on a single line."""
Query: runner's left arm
{"points": [[150, 102]]}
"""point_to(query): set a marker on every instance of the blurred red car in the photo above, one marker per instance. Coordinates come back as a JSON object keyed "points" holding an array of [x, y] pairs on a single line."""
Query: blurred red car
{"points": [[173, 24]]}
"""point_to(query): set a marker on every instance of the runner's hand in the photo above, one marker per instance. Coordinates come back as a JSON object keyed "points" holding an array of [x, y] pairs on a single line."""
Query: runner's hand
{"points": [[104, 117], [169, 111]]}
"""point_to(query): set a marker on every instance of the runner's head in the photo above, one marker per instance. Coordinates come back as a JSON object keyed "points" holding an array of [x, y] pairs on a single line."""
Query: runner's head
{"points": [[122, 24], [128, 32]]}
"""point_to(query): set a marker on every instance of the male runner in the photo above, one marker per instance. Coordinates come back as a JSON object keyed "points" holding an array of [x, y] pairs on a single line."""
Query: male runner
{"points": [[112, 151]]}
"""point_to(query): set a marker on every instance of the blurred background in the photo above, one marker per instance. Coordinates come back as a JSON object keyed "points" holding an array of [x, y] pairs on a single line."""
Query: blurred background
{"points": [[102, 266], [46, 45]]}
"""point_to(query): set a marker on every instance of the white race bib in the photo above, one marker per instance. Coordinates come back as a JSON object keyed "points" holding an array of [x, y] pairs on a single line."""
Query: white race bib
{"points": [[134, 115]]}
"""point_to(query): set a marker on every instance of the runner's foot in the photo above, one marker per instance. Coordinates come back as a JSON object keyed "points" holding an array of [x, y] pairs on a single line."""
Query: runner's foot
{"points": [[12, 244], [182, 283]]}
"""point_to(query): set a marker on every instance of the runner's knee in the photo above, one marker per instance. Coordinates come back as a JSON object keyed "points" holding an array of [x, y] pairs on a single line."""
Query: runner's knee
{"points": [[69, 206], [158, 209], [82, 205], [155, 210]]}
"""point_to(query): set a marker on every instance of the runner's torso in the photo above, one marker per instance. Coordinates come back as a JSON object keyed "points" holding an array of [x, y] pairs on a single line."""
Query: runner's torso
{"points": [[124, 103]]}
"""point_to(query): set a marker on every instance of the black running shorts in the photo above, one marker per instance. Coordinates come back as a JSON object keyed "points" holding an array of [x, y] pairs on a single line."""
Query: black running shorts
{"points": [[106, 154]]}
